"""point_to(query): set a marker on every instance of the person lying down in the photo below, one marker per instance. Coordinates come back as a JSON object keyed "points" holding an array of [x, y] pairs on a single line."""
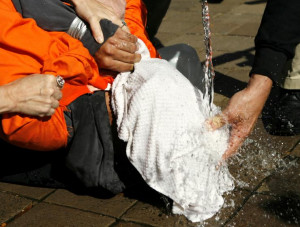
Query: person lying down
{"points": [[162, 117]]}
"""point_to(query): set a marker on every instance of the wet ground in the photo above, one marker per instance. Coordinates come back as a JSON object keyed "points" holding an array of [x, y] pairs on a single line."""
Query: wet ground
{"points": [[267, 170]]}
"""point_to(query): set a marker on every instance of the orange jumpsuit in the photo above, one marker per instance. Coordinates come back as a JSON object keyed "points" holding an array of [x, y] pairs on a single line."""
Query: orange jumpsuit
{"points": [[26, 49]]}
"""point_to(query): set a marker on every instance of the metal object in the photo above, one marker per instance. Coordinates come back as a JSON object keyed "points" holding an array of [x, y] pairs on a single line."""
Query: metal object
{"points": [[60, 82], [123, 24]]}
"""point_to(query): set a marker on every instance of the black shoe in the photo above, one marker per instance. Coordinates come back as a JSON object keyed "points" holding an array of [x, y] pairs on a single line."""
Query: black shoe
{"points": [[283, 114], [214, 1]]}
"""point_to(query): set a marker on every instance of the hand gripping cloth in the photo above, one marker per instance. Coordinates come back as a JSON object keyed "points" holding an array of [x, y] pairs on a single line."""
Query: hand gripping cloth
{"points": [[162, 117]]}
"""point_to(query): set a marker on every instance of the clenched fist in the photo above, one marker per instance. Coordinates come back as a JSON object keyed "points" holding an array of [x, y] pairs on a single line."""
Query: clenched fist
{"points": [[34, 95]]}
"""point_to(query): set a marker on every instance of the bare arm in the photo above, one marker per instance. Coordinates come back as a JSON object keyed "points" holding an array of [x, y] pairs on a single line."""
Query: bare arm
{"points": [[92, 11]]}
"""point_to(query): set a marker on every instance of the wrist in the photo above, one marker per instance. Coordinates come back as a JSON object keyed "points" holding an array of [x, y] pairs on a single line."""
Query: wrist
{"points": [[259, 85], [76, 2], [7, 104]]}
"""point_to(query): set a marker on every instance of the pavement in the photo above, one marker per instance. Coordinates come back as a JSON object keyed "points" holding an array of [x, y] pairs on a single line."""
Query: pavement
{"points": [[266, 170]]}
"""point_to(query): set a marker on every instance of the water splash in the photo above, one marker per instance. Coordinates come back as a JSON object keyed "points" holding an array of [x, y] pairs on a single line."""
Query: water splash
{"points": [[208, 67]]}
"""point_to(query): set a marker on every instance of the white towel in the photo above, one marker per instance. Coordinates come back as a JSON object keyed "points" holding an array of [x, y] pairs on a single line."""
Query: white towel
{"points": [[162, 117]]}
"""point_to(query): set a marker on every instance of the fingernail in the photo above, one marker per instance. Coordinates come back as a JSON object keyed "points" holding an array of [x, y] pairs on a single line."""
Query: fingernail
{"points": [[208, 125], [137, 58], [132, 68], [99, 39]]}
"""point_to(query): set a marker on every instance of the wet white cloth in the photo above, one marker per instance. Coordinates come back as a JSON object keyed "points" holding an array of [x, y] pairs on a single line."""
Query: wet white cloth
{"points": [[162, 117]]}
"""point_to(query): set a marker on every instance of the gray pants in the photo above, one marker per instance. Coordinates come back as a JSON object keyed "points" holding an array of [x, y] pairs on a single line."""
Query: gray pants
{"points": [[292, 72], [186, 60]]}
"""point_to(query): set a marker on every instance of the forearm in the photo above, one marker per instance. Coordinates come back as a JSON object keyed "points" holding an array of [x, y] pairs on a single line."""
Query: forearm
{"points": [[6, 105], [258, 91]]}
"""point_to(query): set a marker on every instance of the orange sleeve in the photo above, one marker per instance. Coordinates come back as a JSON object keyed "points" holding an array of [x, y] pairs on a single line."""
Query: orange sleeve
{"points": [[26, 49], [136, 18]]}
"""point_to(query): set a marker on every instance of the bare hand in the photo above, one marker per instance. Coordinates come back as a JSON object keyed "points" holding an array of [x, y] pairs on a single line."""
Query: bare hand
{"points": [[92, 11], [118, 52], [242, 112], [34, 95]]}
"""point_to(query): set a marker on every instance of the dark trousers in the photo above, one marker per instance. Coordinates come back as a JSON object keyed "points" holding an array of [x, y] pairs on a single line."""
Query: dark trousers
{"points": [[95, 157]]}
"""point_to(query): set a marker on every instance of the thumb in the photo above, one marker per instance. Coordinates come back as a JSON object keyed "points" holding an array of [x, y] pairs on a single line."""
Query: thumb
{"points": [[216, 121], [96, 30]]}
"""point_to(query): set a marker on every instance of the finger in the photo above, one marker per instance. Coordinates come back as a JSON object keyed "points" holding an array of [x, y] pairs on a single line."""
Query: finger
{"points": [[96, 30], [235, 142], [120, 66], [47, 92], [126, 57], [120, 34], [127, 46], [125, 28], [50, 112], [54, 103], [57, 94]]}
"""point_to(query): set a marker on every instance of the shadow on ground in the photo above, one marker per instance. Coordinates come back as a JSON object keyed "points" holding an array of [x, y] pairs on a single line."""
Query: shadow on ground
{"points": [[255, 2], [286, 209]]}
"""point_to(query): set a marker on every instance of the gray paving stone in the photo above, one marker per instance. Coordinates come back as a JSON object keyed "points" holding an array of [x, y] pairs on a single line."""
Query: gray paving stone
{"points": [[285, 182], [256, 9], [147, 214], [264, 210], [247, 29], [12, 205], [260, 155], [178, 27], [225, 7], [182, 5], [263, 189], [231, 44], [227, 23], [45, 215], [296, 151], [31, 192], [114, 207], [234, 61], [175, 16], [192, 40], [233, 201]]}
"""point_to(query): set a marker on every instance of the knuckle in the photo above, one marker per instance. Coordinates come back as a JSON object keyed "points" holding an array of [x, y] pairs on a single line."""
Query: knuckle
{"points": [[109, 51], [51, 79], [106, 62], [133, 48], [48, 102], [111, 41], [131, 58], [49, 91], [59, 95], [55, 104]]}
